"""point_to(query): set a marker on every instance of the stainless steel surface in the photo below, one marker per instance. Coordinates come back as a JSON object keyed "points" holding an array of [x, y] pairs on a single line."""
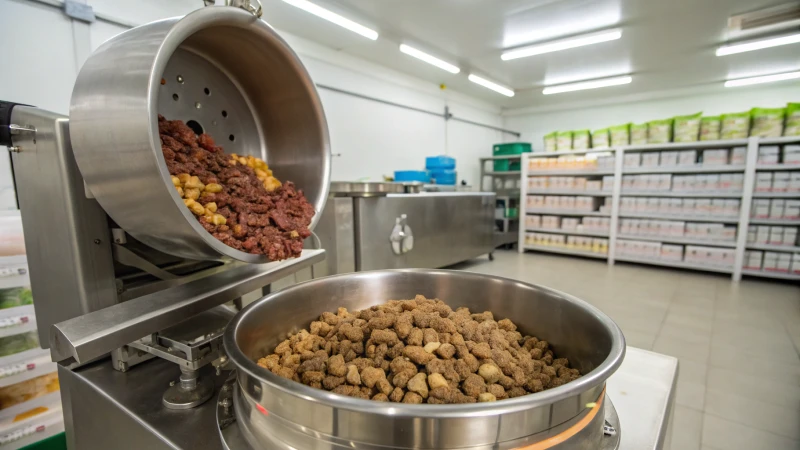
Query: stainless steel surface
{"points": [[643, 390], [189, 392], [336, 234], [447, 227], [92, 335], [365, 188], [296, 412], [260, 96], [66, 234]]}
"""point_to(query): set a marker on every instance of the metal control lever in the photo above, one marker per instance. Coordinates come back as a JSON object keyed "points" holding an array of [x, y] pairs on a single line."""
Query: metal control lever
{"points": [[402, 238]]}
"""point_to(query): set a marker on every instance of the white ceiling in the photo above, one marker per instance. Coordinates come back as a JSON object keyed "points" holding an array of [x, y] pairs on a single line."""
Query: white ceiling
{"points": [[666, 45]]}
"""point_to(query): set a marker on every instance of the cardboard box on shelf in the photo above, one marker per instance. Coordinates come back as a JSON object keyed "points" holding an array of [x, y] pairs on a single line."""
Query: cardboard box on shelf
{"points": [[776, 207], [650, 159], [760, 209], [768, 154], [794, 182], [770, 261], [784, 262], [671, 252], [739, 155], [754, 260], [633, 159], [751, 235], [796, 263], [791, 154], [762, 234], [668, 159], [763, 181], [737, 182], [780, 181], [715, 157], [792, 209], [775, 236], [731, 208], [687, 157], [790, 236]]}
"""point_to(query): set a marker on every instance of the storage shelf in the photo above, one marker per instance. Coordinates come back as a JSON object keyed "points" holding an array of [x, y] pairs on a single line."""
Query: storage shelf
{"points": [[754, 221], [776, 194], [710, 194], [699, 168], [774, 248], [689, 145], [569, 152], [679, 240], [776, 167], [501, 157], [568, 192], [504, 173], [779, 140], [35, 428], [568, 232], [565, 251], [558, 212], [540, 173], [767, 274], [712, 219], [676, 264], [27, 369]]}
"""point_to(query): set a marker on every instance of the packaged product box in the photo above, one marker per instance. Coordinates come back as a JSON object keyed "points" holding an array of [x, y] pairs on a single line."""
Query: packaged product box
{"points": [[768, 154], [675, 206], [569, 203], [751, 235], [710, 128], [725, 181], [790, 154], [650, 159], [770, 261], [739, 155], [652, 204], [767, 122], [763, 181], [668, 159], [638, 133], [775, 236], [580, 139], [664, 205], [665, 182], [687, 128], [718, 207], [715, 157], [794, 182], [671, 252], [703, 206], [594, 185], [792, 209], [732, 208], [641, 205], [620, 135], [713, 182], [735, 125], [755, 259], [737, 181], [564, 140], [789, 236], [762, 234], [792, 120], [633, 159], [600, 138], [687, 157], [784, 262], [780, 181], [796, 263], [690, 207], [761, 208], [608, 182], [659, 131], [550, 141]]}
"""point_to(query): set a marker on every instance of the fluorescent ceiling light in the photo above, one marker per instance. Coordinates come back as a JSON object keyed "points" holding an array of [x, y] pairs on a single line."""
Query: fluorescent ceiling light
{"points": [[593, 84], [490, 85], [335, 18], [758, 45], [411, 51], [762, 79], [563, 44]]}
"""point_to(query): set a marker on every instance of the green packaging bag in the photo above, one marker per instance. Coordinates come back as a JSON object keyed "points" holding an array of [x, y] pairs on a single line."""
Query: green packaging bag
{"points": [[620, 135], [13, 297], [564, 141], [767, 122], [710, 128], [580, 139], [550, 141], [600, 138], [735, 125], [686, 128], [659, 131], [638, 133], [792, 127]]}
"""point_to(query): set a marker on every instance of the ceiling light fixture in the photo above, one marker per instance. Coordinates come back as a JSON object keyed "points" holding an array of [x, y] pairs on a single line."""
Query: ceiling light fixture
{"points": [[758, 45], [762, 79], [411, 51], [563, 44], [592, 84], [490, 85], [335, 18]]}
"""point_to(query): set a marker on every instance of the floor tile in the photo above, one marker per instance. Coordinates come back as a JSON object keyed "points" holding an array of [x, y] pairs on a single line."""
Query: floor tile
{"points": [[754, 413], [724, 434], [754, 387], [682, 347], [691, 395], [687, 429], [785, 370], [639, 339]]}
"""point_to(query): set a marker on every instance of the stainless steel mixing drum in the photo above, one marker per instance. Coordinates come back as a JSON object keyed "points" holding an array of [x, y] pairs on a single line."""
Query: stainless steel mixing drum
{"points": [[272, 409], [222, 71]]}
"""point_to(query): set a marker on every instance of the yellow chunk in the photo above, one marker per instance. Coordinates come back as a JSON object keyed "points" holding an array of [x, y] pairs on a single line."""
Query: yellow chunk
{"points": [[211, 207], [242, 160], [197, 209], [294, 234], [184, 178], [234, 161], [271, 183], [175, 180], [261, 174], [194, 183], [213, 187], [218, 219], [192, 193], [180, 191]]}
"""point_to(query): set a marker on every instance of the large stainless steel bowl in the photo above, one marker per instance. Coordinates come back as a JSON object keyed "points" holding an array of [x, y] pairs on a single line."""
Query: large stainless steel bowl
{"points": [[228, 73], [274, 410]]}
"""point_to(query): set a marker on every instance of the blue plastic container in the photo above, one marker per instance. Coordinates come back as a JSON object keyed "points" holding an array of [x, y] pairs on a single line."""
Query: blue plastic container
{"points": [[447, 176], [440, 163], [411, 175]]}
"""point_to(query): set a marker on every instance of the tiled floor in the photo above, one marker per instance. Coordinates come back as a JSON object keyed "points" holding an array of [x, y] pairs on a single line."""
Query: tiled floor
{"points": [[739, 381]]}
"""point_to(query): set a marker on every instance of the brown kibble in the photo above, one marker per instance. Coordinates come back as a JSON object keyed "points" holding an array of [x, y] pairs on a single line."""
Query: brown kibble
{"points": [[380, 397], [429, 335], [536, 353], [473, 385], [446, 351], [387, 337], [542, 345], [534, 385], [384, 386], [431, 347], [401, 379], [419, 384], [507, 325], [336, 366], [486, 397], [412, 397], [353, 376], [396, 395], [371, 375], [516, 392], [417, 354], [490, 373], [320, 328], [415, 337], [380, 323], [498, 391], [330, 382], [269, 362], [313, 377], [550, 371], [506, 382], [344, 389], [437, 380], [482, 351]]}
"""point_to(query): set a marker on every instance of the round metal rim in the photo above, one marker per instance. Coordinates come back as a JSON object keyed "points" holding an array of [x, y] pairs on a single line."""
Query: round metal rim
{"points": [[182, 30], [594, 378]]}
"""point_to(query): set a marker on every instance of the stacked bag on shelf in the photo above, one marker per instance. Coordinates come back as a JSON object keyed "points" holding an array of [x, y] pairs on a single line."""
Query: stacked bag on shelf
{"points": [[762, 122]]}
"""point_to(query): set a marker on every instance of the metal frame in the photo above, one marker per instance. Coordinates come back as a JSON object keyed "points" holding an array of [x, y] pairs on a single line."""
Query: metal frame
{"points": [[506, 235], [743, 221]]}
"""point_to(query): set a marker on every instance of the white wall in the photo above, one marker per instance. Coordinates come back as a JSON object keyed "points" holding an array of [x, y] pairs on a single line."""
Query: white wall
{"points": [[373, 139], [535, 124]]}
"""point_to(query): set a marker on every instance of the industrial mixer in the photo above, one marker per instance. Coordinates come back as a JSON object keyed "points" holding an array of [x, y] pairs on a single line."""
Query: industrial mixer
{"points": [[130, 290]]}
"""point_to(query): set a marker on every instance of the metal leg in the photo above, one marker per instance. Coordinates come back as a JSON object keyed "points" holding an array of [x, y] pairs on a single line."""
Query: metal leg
{"points": [[491, 256]]}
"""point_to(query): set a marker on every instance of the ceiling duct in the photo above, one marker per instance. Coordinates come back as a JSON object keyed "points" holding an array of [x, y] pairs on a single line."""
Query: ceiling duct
{"points": [[765, 20]]}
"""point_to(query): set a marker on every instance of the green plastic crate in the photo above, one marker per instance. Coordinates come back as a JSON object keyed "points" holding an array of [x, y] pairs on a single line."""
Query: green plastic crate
{"points": [[511, 148], [505, 165], [55, 442], [512, 213]]}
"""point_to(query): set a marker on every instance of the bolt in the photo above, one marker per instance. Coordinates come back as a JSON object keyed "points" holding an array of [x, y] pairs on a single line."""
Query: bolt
{"points": [[97, 241], [172, 383], [225, 403], [14, 149]]}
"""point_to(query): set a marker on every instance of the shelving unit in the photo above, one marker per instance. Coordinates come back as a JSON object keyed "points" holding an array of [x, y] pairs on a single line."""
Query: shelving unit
{"points": [[743, 220], [506, 197]]}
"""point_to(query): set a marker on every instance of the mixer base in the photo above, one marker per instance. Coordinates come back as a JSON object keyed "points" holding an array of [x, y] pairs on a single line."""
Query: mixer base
{"points": [[235, 437]]}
